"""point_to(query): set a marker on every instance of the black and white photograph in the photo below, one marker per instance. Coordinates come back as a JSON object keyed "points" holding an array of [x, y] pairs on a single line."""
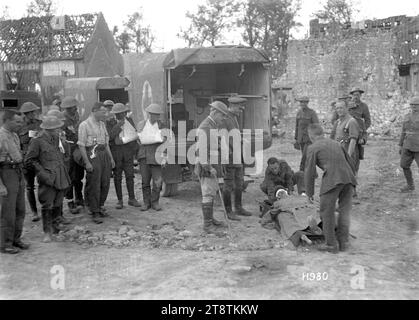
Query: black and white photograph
{"points": [[209, 154]]}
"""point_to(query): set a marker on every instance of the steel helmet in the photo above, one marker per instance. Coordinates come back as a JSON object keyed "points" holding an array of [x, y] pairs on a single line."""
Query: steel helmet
{"points": [[29, 107]]}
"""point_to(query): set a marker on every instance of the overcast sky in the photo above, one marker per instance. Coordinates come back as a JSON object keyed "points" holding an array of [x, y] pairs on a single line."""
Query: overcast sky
{"points": [[166, 17]]}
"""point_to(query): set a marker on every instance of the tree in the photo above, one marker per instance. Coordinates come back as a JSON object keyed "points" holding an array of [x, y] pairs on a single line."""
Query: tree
{"points": [[4, 13], [267, 24], [340, 12], [38, 8], [136, 36], [140, 35], [209, 22], [122, 40]]}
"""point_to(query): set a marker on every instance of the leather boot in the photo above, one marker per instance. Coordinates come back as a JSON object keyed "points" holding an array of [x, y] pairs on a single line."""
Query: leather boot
{"points": [[155, 196], [96, 218], [119, 205], [57, 221], [207, 211], [134, 203], [238, 209], [409, 179], [47, 224], [227, 204], [146, 199], [214, 221], [30, 194]]}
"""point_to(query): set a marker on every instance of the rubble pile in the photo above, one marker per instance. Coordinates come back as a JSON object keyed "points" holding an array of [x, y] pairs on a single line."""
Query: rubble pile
{"points": [[387, 118], [167, 235]]}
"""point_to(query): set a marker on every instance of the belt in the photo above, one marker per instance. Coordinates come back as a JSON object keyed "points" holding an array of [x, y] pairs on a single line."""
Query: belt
{"points": [[11, 165], [99, 147]]}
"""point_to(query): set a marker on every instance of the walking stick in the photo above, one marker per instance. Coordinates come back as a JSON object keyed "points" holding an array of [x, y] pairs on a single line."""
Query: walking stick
{"points": [[225, 212]]}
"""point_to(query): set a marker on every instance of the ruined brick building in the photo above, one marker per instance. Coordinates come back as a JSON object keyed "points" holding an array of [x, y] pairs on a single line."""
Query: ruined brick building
{"points": [[42, 52], [380, 56]]}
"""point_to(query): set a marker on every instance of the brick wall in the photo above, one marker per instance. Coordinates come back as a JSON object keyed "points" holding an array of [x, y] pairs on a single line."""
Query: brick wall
{"points": [[325, 68]]}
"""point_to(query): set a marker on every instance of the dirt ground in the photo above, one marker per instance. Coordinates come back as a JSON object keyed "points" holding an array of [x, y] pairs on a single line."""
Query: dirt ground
{"points": [[135, 255]]}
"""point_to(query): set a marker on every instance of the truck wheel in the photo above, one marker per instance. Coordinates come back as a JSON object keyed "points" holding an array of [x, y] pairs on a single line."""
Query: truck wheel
{"points": [[170, 189]]}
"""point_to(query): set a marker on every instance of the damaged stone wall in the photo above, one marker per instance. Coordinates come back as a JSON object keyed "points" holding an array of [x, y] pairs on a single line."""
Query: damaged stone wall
{"points": [[324, 69]]}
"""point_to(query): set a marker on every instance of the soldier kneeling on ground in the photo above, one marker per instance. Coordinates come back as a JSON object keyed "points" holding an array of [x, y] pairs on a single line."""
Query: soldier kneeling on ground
{"points": [[279, 175]]}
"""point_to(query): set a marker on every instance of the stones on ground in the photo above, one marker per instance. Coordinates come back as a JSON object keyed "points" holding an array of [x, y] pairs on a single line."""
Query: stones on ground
{"points": [[186, 233], [241, 268], [123, 231]]}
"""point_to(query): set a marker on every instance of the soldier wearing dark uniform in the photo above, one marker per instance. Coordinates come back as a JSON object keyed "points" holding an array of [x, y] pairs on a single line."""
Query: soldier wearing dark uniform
{"points": [[305, 117], [233, 176], [361, 113], [409, 143], [123, 153], [279, 175], [93, 141], [74, 194], [207, 170], [11, 177], [46, 155], [337, 185], [150, 169], [30, 130]]}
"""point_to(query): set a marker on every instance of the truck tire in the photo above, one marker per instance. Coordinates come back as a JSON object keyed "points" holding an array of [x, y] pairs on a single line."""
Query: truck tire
{"points": [[169, 190]]}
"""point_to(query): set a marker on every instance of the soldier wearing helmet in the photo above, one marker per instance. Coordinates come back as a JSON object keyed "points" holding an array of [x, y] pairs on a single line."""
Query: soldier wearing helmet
{"points": [[409, 143], [123, 147], [206, 168], [29, 130], [74, 194], [305, 117], [150, 169], [46, 155], [234, 170]]}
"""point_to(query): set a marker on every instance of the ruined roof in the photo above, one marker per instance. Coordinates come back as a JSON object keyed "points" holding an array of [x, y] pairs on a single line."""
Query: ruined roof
{"points": [[33, 39]]}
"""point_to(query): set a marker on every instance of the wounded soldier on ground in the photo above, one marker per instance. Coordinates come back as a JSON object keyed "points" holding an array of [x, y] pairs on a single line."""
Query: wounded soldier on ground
{"points": [[279, 175], [293, 218]]}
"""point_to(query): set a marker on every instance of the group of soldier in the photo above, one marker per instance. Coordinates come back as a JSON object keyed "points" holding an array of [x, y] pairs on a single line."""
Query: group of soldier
{"points": [[60, 151], [339, 157]]}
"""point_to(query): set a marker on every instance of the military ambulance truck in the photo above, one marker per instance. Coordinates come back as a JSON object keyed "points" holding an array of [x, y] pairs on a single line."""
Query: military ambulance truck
{"points": [[186, 81]]}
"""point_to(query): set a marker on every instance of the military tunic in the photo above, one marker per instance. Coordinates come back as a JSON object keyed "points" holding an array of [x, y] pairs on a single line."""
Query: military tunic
{"points": [[47, 157], [304, 118], [337, 183], [150, 169], [234, 172], [344, 131], [11, 174], [123, 155], [284, 179], [409, 140], [26, 133], [206, 131], [76, 171], [94, 137]]}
